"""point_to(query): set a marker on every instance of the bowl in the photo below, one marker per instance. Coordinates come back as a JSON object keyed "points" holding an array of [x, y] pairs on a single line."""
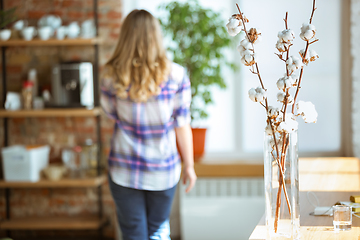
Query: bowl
{"points": [[54, 172]]}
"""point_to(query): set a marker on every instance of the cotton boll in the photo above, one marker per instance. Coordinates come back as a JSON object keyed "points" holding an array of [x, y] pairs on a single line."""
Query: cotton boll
{"points": [[248, 58], [310, 56], [286, 35], [234, 26], [257, 95], [280, 84], [233, 23], [305, 59], [289, 125], [309, 34], [285, 82], [307, 111], [253, 35], [313, 55], [280, 96], [293, 63], [281, 47], [307, 26], [252, 94], [273, 112], [234, 31], [268, 130], [244, 45], [292, 78], [307, 31], [291, 68]]}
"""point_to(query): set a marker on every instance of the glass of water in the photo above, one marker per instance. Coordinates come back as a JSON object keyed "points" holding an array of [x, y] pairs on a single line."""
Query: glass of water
{"points": [[342, 217]]}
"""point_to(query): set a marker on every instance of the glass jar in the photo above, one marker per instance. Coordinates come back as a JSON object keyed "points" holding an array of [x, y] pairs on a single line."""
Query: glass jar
{"points": [[27, 94], [281, 177]]}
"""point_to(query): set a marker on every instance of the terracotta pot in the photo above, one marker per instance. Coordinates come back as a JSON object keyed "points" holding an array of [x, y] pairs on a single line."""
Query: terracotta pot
{"points": [[199, 135]]}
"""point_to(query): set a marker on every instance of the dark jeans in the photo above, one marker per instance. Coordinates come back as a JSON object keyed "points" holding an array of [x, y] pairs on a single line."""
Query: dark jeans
{"points": [[142, 214]]}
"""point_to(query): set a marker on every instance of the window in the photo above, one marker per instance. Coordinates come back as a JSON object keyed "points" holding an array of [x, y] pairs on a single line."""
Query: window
{"points": [[236, 124]]}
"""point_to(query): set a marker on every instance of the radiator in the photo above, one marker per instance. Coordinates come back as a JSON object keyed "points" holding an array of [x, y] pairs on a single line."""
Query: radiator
{"points": [[221, 208]]}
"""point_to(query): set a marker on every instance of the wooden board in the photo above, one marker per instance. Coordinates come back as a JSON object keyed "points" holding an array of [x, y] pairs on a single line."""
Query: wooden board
{"points": [[51, 42], [53, 223], [229, 169], [62, 183], [329, 174], [52, 112]]}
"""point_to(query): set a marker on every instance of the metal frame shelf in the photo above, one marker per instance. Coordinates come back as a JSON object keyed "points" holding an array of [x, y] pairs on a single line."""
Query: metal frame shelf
{"points": [[97, 222]]}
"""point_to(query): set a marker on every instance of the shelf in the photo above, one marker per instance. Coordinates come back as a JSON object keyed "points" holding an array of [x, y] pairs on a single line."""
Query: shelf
{"points": [[53, 223], [51, 42], [52, 112], [63, 183]]}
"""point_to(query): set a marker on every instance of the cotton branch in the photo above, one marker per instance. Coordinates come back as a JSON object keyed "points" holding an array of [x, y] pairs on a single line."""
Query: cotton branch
{"points": [[312, 13]]}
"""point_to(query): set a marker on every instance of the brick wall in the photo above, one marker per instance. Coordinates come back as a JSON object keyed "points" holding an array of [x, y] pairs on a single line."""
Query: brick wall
{"points": [[58, 132]]}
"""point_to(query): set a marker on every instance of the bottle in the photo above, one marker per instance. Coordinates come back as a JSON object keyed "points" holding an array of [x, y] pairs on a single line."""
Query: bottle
{"points": [[27, 94], [32, 77]]}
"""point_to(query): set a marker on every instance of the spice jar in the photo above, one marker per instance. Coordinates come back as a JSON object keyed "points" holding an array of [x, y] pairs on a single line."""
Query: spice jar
{"points": [[27, 94]]}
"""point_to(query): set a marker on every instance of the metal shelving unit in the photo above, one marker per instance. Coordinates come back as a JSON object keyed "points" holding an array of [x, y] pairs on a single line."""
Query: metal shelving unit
{"points": [[96, 222]]}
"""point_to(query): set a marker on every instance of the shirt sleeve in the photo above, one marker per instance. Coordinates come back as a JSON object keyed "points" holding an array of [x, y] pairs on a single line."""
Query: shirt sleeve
{"points": [[182, 102], [108, 97]]}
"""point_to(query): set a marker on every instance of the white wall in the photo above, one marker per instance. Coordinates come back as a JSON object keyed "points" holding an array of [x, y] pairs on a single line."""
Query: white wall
{"points": [[235, 126]]}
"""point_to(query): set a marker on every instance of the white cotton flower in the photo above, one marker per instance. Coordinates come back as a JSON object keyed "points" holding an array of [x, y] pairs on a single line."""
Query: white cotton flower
{"points": [[293, 63], [268, 130], [307, 111], [243, 46], [289, 125], [281, 97], [248, 58], [307, 31], [311, 56], [234, 26], [286, 82], [286, 35], [257, 95], [273, 112], [281, 46]]}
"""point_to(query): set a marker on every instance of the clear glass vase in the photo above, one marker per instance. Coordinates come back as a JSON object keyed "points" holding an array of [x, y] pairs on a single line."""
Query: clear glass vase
{"points": [[281, 177]]}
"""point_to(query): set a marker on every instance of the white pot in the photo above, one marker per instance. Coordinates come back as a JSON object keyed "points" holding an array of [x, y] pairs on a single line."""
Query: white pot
{"points": [[45, 32], [5, 34], [28, 33]]}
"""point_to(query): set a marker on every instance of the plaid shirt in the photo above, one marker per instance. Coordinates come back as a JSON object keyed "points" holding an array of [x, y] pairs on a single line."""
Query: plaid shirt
{"points": [[143, 152]]}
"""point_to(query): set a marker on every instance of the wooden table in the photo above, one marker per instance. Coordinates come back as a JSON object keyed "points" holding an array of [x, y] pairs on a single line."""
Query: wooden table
{"points": [[331, 180]]}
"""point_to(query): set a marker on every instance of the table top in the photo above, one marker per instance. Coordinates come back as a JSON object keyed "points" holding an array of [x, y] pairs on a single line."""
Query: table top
{"points": [[331, 180]]}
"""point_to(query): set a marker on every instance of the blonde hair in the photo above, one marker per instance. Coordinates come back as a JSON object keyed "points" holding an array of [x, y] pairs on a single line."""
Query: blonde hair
{"points": [[139, 60]]}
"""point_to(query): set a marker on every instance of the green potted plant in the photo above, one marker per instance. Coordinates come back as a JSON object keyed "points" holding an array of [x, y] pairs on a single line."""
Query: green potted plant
{"points": [[6, 17], [198, 40]]}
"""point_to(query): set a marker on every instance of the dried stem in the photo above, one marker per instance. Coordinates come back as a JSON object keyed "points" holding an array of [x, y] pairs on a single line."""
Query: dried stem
{"points": [[243, 21], [303, 57], [312, 13], [280, 57]]}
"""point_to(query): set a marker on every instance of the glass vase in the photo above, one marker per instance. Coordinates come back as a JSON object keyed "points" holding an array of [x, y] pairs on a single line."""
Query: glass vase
{"points": [[281, 177]]}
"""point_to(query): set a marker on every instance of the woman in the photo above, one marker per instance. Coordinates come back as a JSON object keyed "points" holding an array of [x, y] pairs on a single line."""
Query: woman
{"points": [[149, 98]]}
